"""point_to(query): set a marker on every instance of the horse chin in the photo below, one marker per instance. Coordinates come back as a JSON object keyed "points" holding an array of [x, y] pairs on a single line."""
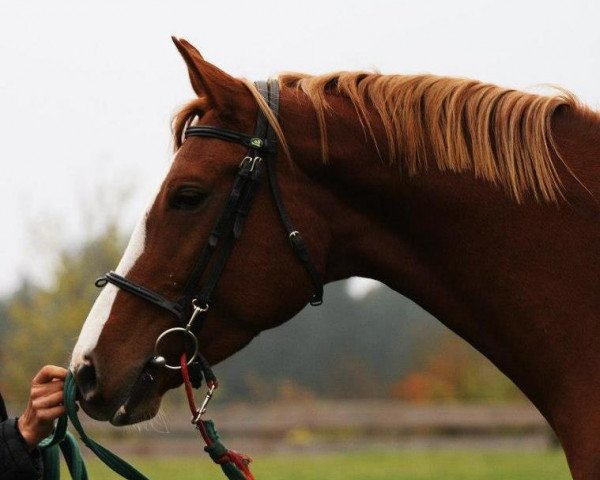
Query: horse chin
{"points": [[129, 414], [142, 404], [138, 401]]}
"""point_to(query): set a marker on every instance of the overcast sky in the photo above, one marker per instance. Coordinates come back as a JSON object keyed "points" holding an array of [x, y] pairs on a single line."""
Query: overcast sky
{"points": [[87, 88]]}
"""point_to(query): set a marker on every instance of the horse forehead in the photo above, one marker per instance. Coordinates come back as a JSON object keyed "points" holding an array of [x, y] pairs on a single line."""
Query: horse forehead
{"points": [[205, 158]]}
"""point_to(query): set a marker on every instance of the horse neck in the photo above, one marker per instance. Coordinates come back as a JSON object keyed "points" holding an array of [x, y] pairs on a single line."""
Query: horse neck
{"points": [[436, 235], [511, 279]]}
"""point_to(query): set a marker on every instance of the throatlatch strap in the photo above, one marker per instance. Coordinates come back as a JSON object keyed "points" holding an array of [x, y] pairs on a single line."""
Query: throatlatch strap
{"points": [[270, 91]]}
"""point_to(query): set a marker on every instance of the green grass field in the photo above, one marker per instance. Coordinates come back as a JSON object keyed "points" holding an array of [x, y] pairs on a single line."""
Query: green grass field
{"points": [[444, 465]]}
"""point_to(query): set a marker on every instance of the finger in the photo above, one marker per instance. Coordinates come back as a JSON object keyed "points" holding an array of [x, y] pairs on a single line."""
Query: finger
{"points": [[49, 372], [48, 401], [44, 389], [49, 414]]}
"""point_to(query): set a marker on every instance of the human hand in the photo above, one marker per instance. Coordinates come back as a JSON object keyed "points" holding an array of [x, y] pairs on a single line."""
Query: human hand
{"points": [[44, 406]]}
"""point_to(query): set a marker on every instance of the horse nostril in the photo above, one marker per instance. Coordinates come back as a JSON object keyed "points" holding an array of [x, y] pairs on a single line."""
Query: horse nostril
{"points": [[86, 379]]}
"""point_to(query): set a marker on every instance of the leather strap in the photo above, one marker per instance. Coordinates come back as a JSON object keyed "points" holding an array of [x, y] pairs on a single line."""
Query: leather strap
{"points": [[140, 291], [257, 142], [234, 232], [222, 230], [269, 90]]}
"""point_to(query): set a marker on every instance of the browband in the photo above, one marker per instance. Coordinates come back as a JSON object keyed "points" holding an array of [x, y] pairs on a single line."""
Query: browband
{"points": [[251, 141]]}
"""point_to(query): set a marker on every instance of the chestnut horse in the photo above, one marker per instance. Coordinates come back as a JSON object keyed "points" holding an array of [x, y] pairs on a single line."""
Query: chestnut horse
{"points": [[477, 202]]}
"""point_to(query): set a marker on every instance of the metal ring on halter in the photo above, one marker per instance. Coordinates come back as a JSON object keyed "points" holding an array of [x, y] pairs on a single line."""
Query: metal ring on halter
{"points": [[184, 331]]}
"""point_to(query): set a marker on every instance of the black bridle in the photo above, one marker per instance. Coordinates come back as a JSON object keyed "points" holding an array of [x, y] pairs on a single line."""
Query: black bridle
{"points": [[196, 299]]}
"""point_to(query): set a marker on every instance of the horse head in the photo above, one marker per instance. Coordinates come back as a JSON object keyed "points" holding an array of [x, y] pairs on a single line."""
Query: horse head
{"points": [[260, 284]]}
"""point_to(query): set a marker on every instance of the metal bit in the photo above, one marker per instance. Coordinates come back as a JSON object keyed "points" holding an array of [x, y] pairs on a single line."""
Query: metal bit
{"points": [[158, 361]]}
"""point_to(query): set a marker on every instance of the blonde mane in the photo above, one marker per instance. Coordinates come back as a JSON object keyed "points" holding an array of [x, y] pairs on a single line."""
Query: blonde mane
{"points": [[503, 136]]}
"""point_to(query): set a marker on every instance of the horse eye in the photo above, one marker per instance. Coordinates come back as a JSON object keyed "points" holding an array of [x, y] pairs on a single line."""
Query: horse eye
{"points": [[187, 198]]}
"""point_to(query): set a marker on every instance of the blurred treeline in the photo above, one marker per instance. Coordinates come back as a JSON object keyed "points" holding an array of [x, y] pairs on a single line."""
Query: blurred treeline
{"points": [[381, 346]]}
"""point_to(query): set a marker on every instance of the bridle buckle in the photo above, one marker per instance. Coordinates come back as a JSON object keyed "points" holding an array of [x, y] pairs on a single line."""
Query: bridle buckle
{"points": [[197, 311], [202, 410], [252, 160]]}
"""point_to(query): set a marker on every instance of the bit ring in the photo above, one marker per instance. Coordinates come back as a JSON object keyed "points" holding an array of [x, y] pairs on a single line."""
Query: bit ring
{"points": [[185, 331]]}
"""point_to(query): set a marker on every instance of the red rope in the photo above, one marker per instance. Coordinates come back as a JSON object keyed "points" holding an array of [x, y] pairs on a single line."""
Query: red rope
{"points": [[189, 393], [240, 460]]}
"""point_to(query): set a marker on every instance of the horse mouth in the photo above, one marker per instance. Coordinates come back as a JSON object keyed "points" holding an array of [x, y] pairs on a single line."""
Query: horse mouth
{"points": [[141, 403]]}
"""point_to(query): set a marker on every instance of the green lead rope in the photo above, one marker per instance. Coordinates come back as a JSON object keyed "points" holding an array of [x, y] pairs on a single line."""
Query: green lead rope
{"points": [[70, 450], [216, 452], [64, 441]]}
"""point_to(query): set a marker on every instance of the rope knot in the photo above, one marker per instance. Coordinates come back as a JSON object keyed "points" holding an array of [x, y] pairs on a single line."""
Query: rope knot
{"points": [[240, 460]]}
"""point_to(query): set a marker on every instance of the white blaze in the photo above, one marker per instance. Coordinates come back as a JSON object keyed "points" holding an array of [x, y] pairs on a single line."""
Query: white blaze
{"points": [[92, 328]]}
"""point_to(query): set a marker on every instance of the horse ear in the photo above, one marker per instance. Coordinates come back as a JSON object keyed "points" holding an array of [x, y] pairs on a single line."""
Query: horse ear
{"points": [[207, 80]]}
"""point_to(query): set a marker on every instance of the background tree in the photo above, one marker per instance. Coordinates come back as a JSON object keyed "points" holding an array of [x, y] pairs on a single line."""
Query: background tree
{"points": [[455, 372], [40, 324]]}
